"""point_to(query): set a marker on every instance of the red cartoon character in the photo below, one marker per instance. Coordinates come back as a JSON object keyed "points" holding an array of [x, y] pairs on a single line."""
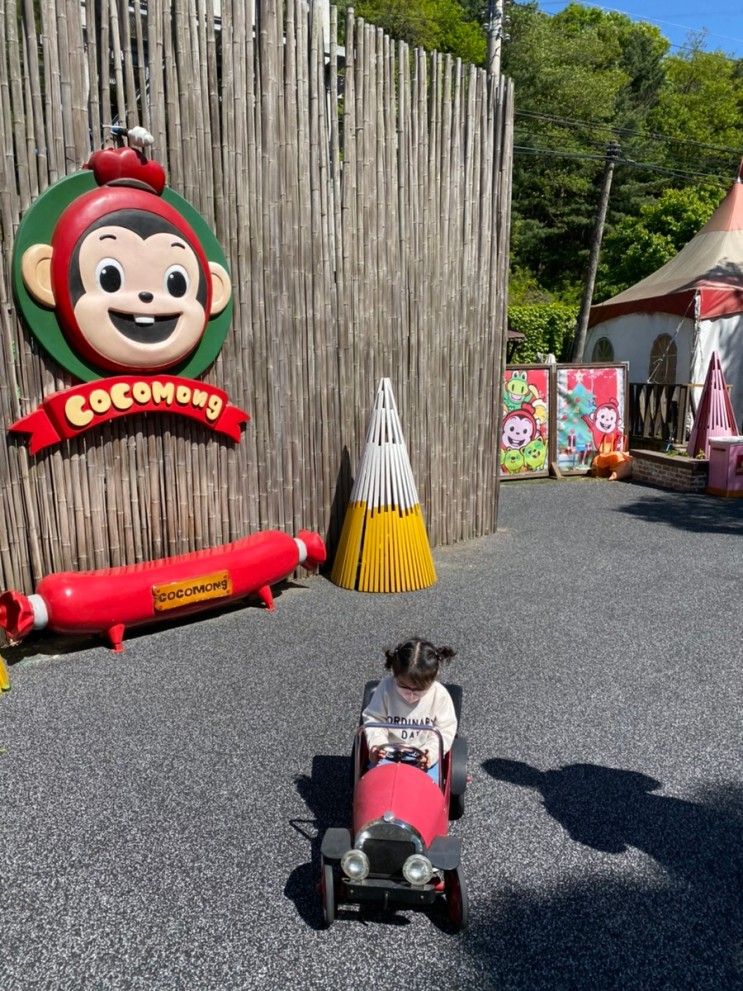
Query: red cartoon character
{"points": [[608, 438], [125, 286], [519, 427], [125, 273]]}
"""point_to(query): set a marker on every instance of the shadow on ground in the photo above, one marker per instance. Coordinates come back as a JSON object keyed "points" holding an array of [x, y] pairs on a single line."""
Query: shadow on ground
{"points": [[681, 928], [327, 795], [685, 511]]}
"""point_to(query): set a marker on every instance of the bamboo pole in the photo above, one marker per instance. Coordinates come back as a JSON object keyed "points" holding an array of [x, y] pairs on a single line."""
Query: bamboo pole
{"points": [[118, 63], [156, 79], [102, 74], [34, 84]]}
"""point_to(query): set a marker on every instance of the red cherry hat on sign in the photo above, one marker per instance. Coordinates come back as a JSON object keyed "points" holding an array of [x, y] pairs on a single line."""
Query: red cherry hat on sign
{"points": [[126, 164]]}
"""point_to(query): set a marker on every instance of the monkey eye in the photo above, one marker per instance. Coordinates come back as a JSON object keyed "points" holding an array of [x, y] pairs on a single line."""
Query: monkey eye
{"points": [[176, 281], [109, 275]]}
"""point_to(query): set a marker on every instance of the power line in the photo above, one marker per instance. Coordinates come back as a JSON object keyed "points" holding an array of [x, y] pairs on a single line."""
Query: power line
{"points": [[675, 172], [585, 143], [653, 135], [552, 153], [651, 166]]}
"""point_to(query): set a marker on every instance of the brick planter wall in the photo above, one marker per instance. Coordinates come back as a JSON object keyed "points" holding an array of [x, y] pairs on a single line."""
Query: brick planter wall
{"points": [[668, 471]]}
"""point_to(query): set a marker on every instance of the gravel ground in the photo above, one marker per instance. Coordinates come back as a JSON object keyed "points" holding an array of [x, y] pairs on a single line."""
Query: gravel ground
{"points": [[161, 810]]}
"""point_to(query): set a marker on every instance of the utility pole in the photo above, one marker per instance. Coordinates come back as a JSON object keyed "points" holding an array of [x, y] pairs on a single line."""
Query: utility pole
{"points": [[612, 154], [495, 37]]}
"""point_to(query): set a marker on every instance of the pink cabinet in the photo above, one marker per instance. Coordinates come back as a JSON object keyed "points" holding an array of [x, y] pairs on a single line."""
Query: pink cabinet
{"points": [[725, 466]]}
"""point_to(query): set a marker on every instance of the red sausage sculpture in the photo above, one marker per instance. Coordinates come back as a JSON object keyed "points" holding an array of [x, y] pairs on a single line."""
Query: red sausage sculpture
{"points": [[108, 601]]}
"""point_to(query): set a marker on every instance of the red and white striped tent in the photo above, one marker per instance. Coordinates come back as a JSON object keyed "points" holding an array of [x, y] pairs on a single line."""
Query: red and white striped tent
{"points": [[668, 325]]}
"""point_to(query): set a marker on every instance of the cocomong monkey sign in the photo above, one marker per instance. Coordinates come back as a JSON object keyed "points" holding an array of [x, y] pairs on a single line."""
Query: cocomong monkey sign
{"points": [[125, 286]]}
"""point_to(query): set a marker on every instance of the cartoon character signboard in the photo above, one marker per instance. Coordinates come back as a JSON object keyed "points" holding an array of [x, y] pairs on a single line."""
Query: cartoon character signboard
{"points": [[590, 414], [123, 284], [524, 437]]}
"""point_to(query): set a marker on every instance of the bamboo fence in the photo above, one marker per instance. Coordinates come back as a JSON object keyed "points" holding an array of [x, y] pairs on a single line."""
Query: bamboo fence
{"points": [[363, 200]]}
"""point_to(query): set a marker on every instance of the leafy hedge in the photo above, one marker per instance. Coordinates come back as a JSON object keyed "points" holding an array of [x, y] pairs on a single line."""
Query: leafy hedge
{"points": [[549, 327]]}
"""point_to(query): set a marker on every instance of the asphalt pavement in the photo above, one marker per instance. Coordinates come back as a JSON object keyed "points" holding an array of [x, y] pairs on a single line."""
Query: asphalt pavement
{"points": [[161, 810]]}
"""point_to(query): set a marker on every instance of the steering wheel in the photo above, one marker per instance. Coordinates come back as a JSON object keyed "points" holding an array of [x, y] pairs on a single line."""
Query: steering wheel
{"points": [[402, 753]]}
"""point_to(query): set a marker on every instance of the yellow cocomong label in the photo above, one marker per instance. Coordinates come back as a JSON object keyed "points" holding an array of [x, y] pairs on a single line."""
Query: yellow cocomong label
{"points": [[383, 550]]}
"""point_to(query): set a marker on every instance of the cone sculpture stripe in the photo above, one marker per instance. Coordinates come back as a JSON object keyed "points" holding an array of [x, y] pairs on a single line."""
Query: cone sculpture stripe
{"points": [[384, 546]]}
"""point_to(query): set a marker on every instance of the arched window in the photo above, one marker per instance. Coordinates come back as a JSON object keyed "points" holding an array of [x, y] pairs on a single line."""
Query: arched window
{"points": [[603, 350], [663, 360]]}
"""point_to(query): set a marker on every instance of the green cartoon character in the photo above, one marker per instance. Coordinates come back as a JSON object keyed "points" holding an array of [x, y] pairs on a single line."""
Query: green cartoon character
{"points": [[512, 461], [515, 391], [535, 454]]}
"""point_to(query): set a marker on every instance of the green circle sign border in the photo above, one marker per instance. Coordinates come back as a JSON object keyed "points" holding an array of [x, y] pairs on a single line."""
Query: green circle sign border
{"points": [[37, 227]]}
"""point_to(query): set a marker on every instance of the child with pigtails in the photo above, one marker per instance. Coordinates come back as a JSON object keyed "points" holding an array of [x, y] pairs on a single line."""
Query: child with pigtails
{"points": [[414, 700]]}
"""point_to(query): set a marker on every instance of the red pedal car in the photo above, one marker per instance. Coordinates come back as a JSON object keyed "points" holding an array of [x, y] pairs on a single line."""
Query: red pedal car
{"points": [[399, 851]]}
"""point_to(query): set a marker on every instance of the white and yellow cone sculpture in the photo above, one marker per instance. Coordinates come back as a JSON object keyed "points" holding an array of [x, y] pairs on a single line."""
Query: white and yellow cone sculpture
{"points": [[384, 546]]}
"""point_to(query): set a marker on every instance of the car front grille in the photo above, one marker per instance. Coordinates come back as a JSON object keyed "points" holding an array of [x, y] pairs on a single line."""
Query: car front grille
{"points": [[388, 844], [386, 857]]}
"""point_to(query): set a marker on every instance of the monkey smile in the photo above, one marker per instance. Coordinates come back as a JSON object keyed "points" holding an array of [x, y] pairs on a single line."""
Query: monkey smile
{"points": [[144, 329]]}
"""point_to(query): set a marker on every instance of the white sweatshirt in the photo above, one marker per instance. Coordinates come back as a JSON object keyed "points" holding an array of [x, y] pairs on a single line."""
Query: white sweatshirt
{"points": [[434, 708]]}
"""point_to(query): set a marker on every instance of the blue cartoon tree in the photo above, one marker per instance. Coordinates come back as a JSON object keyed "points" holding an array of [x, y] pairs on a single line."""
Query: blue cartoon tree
{"points": [[573, 434]]}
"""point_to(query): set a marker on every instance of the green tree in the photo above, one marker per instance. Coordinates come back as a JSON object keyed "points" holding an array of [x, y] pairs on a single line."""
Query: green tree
{"points": [[476, 10], [441, 25], [701, 105], [637, 246], [586, 76], [566, 69]]}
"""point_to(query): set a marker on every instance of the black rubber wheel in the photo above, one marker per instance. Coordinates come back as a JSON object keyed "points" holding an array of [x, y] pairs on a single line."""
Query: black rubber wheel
{"points": [[456, 696], [369, 688], [456, 806], [457, 905], [327, 889]]}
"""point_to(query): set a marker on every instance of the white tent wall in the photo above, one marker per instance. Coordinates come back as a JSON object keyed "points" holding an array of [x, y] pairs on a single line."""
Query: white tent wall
{"points": [[632, 335], [724, 335]]}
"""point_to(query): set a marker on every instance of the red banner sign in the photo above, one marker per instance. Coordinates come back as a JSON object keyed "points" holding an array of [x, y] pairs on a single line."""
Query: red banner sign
{"points": [[66, 414]]}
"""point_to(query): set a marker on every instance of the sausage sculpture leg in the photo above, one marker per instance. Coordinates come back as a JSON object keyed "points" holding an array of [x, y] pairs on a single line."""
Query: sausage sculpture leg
{"points": [[110, 600]]}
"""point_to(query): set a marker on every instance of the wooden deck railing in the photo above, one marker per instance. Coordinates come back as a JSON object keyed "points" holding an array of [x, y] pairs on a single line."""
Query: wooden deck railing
{"points": [[658, 413]]}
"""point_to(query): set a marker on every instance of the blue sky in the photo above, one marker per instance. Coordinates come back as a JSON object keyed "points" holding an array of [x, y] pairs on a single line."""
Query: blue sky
{"points": [[723, 19]]}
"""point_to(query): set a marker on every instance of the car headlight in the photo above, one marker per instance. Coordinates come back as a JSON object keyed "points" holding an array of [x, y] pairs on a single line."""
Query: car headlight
{"points": [[355, 865], [417, 869]]}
